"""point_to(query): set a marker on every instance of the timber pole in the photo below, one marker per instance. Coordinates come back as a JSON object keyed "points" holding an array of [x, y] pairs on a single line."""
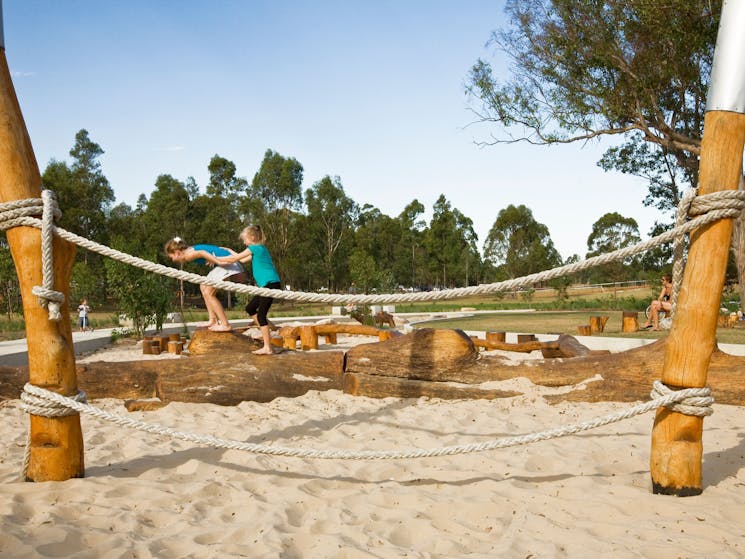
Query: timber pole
{"points": [[56, 447], [677, 447]]}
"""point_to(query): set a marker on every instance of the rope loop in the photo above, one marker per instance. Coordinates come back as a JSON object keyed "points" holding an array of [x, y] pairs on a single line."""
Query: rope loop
{"points": [[34, 402], [689, 401]]}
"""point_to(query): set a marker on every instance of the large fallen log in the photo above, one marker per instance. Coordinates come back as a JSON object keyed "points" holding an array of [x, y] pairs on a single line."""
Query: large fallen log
{"points": [[226, 378], [424, 363]]}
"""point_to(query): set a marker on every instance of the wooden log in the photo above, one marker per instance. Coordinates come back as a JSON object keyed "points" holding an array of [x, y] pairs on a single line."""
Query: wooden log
{"points": [[424, 354], [597, 324], [308, 338], [206, 342], [522, 347], [375, 386], [290, 336], [225, 379], [150, 404], [56, 444], [355, 329], [626, 376], [630, 321], [522, 338], [584, 330], [330, 338], [174, 347], [677, 450]]}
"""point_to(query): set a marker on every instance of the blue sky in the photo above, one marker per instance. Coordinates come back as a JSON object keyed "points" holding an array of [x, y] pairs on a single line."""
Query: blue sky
{"points": [[370, 91]]}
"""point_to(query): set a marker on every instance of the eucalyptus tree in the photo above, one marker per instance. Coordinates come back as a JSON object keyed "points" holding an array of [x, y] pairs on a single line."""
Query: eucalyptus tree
{"points": [[83, 192], [330, 228], [611, 232], [451, 246], [583, 69], [85, 198], [410, 250], [518, 245], [274, 200], [219, 209]]}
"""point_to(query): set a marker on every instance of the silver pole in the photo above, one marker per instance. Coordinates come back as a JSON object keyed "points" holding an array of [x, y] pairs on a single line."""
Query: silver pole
{"points": [[727, 88], [2, 35]]}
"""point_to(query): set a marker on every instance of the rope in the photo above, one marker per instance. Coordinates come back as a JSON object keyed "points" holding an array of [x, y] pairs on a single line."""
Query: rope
{"points": [[13, 214], [726, 204], [36, 405], [698, 400], [681, 216]]}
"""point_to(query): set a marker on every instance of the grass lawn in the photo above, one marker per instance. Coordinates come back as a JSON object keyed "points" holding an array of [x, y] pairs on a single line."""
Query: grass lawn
{"points": [[564, 322]]}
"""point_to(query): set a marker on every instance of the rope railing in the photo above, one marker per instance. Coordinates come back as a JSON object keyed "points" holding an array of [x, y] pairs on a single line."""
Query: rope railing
{"points": [[693, 401], [706, 209], [39, 401]]}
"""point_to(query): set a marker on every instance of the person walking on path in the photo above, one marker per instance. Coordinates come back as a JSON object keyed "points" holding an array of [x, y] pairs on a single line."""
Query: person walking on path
{"points": [[83, 310]]}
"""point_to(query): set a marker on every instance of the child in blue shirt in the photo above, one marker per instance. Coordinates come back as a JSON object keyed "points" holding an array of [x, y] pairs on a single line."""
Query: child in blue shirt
{"points": [[265, 275], [207, 255]]}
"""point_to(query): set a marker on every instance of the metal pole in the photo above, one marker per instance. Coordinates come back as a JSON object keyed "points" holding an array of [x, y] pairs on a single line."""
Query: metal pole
{"points": [[2, 35]]}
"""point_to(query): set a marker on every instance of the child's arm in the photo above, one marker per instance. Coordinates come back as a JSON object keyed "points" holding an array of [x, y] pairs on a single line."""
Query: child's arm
{"points": [[208, 256], [244, 256]]}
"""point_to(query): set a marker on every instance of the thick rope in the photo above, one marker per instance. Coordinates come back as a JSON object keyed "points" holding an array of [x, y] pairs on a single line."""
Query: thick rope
{"points": [[698, 400], [12, 214], [681, 216], [720, 205], [45, 408]]}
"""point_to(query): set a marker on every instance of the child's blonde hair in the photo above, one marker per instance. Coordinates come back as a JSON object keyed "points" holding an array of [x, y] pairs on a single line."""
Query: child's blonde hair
{"points": [[177, 243], [255, 233]]}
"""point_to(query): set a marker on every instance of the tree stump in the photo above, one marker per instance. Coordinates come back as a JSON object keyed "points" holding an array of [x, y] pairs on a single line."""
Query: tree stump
{"points": [[584, 330], [496, 337], [597, 324], [630, 321]]}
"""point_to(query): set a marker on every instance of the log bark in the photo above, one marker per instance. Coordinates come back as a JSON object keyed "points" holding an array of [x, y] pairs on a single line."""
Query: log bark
{"points": [[424, 354], [56, 445], [226, 378], [237, 376], [374, 386], [677, 449]]}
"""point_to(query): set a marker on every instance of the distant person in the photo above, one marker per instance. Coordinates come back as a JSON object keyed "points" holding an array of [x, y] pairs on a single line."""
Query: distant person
{"points": [[662, 303], [83, 310], [265, 275], [207, 255]]}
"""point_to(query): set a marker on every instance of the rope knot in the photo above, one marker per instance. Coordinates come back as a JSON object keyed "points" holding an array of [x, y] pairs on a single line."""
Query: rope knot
{"points": [[38, 401], [689, 401]]}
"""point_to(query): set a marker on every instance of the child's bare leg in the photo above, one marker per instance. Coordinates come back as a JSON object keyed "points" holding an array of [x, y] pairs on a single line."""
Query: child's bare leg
{"points": [[213, 303]]}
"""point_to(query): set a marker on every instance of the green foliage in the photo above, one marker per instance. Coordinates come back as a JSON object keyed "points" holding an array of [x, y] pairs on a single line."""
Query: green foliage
{"points": [[610, 233], [144, 297], [518, 245], [10, 291]]}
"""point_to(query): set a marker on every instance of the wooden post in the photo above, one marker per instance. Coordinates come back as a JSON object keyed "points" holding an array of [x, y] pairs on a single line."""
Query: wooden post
{"points": [[630, 321], [675, 461], [308, 338], [496, 337], [56, 449], [597, 324]]}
